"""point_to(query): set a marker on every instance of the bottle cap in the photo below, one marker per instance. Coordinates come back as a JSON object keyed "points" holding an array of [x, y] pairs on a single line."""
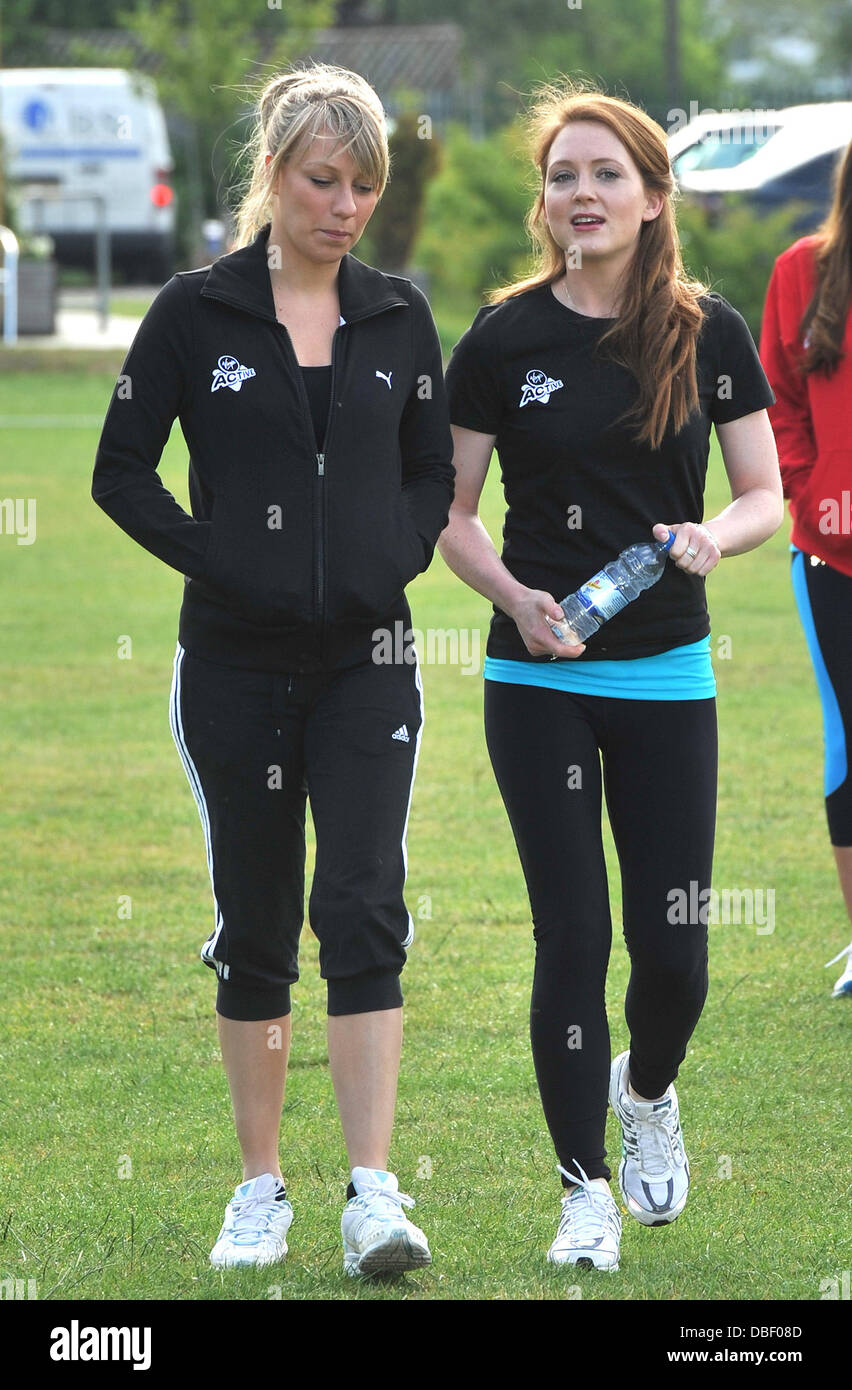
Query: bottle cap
{"points": [[667, 544]]}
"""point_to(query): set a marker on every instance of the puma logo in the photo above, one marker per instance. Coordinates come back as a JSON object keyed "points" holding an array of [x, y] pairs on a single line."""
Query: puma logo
{"points": [[385, 377]]}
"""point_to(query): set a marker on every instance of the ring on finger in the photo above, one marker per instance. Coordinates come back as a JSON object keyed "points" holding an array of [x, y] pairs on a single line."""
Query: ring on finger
{"points": [[690, 551]]}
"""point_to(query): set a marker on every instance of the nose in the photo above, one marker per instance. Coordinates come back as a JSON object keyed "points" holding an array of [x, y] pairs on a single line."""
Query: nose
{"points": [[343, 204], [583, 188]]}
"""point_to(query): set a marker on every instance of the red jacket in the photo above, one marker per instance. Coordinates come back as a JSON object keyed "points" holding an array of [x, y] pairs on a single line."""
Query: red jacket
{"points": [[812, 415]]}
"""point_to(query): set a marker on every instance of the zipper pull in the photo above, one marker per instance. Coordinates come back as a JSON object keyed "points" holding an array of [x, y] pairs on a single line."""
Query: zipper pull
{"points": [[321, 464]]}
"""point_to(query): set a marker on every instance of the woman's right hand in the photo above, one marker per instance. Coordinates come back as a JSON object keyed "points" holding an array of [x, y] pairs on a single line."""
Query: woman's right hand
{"points": [[531, 611]]}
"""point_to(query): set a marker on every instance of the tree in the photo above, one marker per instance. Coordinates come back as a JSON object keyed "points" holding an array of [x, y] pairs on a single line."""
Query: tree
{"points": [[511, 45], [415, 158], [211, 55]]}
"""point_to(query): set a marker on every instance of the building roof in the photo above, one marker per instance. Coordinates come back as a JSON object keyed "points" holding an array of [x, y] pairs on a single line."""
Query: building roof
{"points": [[421, 57]]}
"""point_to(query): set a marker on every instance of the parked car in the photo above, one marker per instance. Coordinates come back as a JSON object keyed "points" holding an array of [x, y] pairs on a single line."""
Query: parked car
{"points": [[73, 133], [771, 158]]}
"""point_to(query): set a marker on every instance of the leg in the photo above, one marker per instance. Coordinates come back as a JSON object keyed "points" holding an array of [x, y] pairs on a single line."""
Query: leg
{"points": [[824, 599], [363, 1053], [239, 736], [660, 779], [843, 860], [361, 754], [544, 751], [255, 1058], [660, 762], [361, 745]]}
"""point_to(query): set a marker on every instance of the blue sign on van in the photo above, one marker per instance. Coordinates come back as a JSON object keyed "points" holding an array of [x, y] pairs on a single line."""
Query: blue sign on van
{"points": [[36, 114]]}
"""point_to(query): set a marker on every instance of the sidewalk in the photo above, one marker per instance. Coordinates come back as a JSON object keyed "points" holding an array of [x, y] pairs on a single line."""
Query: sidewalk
{"points": [[80, 328], [78, 321]]}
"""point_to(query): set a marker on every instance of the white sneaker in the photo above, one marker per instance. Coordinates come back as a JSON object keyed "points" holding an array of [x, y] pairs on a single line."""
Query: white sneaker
{"points": [[377, 1235], [844, 984], [256, 1223], [589, 1232], [654, 1172]]}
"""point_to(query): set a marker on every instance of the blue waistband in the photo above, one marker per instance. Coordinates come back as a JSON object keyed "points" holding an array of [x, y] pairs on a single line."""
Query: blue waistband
{"points": [[682, 673]]}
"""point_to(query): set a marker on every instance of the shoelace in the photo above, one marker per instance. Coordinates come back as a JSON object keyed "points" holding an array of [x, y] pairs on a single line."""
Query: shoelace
{"points": [[847, 951], [251, 1218], [581, 1217], [656, 1143], [391, 1201]]}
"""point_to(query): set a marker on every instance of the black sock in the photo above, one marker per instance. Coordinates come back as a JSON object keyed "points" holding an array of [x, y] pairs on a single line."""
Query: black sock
{"points": [[350, 1192]]}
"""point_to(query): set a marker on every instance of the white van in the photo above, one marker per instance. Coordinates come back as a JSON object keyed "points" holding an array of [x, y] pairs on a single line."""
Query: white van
{"points": [[68, 132]]}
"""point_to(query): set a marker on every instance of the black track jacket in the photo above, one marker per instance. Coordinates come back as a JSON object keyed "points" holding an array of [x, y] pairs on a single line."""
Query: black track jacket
{"points": [[292, 557]]}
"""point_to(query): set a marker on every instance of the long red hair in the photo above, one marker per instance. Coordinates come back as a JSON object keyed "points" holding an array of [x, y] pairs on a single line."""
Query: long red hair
{"points": [[825, 318], [656, 335]]}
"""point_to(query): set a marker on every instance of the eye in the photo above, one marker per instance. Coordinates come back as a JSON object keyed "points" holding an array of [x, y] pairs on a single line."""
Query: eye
{"points": [[365, 188], [565, 174], [321, 183]]}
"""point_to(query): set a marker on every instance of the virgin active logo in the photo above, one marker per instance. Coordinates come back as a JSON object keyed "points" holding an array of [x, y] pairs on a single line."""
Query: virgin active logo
{"points": [[539, 387], [228, 372]]}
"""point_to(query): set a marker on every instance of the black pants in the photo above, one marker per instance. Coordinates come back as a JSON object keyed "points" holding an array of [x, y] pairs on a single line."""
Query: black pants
{"points": [[659, 777], [824, 599], [255, 745]]}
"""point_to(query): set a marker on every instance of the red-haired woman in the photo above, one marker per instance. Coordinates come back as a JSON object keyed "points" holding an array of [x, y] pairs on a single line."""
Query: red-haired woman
{"points": [[598, 379], [806, 348]]}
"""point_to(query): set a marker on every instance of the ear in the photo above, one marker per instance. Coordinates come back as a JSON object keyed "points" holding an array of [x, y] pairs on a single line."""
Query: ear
{"points": [[653, 207]]}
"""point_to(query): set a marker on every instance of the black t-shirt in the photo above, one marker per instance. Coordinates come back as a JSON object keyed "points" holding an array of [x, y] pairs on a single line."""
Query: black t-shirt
{"points": [[578, 488], [318, 386]]}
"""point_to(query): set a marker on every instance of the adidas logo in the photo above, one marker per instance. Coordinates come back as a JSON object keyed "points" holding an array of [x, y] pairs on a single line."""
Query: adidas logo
{"points": [[402, 734]]}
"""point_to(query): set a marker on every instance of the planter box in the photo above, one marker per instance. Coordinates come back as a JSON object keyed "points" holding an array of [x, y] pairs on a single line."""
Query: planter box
{"points": [[36, 297]]}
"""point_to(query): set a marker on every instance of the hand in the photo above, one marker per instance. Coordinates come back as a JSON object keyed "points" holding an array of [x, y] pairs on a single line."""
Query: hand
{"points": [[531, 613], [691, 535]]}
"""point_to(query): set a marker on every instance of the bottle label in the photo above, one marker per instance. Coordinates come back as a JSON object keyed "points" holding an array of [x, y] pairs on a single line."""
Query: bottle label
{"points": [[602, 596]]}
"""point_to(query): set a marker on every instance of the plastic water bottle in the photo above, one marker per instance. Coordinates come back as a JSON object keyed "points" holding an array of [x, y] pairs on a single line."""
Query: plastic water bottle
{"points": [[612, 588]]}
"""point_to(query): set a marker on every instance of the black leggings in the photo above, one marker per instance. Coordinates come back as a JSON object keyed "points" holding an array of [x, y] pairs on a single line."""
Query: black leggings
{"points": [[659, 776], [824, 599]]}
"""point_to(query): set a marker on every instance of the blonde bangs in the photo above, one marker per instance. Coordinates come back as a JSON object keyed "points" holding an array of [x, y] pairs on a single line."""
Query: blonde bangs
{"points": [[340, 123]]}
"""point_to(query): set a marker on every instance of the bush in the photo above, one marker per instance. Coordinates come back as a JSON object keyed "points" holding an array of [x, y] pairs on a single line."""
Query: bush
{"points": [[735, 255], [473, 227]]}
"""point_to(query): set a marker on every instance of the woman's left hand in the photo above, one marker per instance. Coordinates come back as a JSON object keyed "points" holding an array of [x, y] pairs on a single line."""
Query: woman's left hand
{"points": [[694, 549]]}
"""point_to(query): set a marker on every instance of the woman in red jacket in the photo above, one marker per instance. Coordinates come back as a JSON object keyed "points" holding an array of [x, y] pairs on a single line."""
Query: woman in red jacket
{"points": [[806, 349]]}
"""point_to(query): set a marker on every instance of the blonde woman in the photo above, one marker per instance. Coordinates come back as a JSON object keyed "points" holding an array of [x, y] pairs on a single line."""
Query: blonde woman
{"points": [[309, 390], [598, 379]]}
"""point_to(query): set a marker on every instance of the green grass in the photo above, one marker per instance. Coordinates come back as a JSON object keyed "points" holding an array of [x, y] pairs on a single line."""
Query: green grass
{"points": [[127, 303], [108, 1046]]}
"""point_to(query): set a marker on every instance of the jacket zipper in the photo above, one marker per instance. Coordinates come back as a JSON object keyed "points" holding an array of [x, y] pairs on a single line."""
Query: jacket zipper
{"points": [[318, 576], [319, 488], [320, 547]]}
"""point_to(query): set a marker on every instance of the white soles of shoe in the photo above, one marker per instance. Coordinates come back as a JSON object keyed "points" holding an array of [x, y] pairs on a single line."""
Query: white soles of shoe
{"points": [[649, 1218], [394, 1254], [577, 1260]]}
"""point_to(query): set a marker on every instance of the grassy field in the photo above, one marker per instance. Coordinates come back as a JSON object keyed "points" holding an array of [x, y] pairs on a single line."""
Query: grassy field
{"points": [[118, 1151]]}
